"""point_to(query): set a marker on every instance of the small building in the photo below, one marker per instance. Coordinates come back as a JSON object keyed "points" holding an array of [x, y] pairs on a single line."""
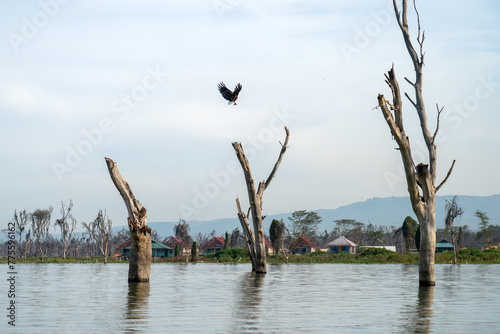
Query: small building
{"points": [[213, 246], [269, 247], [342, 245], [302, 246], [443, 245], [391, 248], [119, 249], [184, 248], [157, 249]]}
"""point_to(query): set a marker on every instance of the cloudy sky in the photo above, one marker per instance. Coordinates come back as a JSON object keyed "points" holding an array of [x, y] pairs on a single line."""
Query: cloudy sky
{"points": [[137, 82]]}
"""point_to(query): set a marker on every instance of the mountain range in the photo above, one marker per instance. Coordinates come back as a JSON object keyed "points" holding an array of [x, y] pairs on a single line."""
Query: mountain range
{"points": [[389, 211]]}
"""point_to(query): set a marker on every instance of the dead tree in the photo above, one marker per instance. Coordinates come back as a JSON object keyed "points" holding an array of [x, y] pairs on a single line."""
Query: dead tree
{"points": [[255, 242], [100, 231], [103, 227], [453, 211], [140, 234], [66, 228], [40, 224], [88, 238], [28, 241], [421, 179], [20, 222]]}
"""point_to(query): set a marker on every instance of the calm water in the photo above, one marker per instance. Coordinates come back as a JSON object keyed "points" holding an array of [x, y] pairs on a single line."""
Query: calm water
{"points": [[218, 298]]}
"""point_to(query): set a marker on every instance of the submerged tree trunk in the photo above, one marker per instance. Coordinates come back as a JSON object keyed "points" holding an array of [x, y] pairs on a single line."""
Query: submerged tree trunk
{"points": [[427, 252], [421, 178], [140, 253], [255, 242], [140, 233]]}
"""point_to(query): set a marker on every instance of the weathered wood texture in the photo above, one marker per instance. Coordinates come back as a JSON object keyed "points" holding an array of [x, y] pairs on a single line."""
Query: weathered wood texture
{"points": [[140, 233], [255, 241], [421, 178]]}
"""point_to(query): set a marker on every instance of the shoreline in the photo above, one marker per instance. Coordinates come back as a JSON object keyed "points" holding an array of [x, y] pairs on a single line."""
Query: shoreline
{"points": [[465, 256]]}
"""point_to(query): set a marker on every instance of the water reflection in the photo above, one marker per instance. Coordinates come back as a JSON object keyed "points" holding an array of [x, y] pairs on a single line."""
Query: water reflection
{"points": [[216, 298], [137, 311], [248, 309], [424, 309], [421, 314]]}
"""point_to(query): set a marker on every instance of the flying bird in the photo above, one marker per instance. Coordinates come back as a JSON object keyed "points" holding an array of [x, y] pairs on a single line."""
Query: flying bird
{"points": [[229, 95]]}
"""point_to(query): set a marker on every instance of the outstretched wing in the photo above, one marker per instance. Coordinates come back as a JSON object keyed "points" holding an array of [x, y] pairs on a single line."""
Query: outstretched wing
{"points": [[237, 90], [226, 93]]}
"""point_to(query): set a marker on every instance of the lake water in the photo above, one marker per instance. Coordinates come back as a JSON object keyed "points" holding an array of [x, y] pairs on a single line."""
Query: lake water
{"points": [[226, 298]]}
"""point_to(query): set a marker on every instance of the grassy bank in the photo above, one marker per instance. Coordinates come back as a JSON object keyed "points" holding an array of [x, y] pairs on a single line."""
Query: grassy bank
{"points": [[37, 259], [465, 256]]}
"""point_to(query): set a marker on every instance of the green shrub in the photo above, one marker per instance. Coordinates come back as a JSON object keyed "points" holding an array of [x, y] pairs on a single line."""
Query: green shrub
{"points": [[317, 253], [394, 257], [376, 251], [231, 254], [469, 252]]}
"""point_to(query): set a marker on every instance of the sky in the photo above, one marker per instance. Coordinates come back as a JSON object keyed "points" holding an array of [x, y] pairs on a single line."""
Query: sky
{"points": [[137, 82]]}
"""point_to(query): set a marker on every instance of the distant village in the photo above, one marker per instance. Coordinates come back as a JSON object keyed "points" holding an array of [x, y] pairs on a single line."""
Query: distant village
{"points": [[300, 235]]}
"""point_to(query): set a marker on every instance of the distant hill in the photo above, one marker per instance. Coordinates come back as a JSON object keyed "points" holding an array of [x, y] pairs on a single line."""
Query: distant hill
{"points": [[390, 211]]}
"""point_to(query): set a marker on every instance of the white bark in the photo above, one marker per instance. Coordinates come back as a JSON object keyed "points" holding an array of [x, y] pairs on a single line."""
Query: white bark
{"points": [[140, 233], [256, 241], [421, 179]]}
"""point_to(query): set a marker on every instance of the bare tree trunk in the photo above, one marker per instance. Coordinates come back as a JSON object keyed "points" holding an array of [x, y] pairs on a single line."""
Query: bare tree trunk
{"points": [[27, 244], [421, 178], [66, 228], [106, 251], [20, 223], [427, 252], [40, 224], [452, 211], [454, 244], [255, 242], [249, 236], [140, 233]]}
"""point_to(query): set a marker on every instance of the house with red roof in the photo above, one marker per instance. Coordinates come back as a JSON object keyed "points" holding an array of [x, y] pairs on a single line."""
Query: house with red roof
{"points": [[342, 245], [302, 246], [269, 247], [184, 248], [214, 245]]}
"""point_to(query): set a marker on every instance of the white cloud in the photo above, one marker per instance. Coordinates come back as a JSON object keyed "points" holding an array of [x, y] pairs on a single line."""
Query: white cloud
{"points": [[286, 55]]}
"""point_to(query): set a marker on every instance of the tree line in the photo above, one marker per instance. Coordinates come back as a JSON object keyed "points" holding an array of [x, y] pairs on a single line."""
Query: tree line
{"points": [[34, 237]]}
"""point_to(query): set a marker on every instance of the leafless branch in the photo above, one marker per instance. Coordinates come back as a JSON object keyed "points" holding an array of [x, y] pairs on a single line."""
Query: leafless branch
{"points": [[391, 106], [437, 123], [276, 165], [447, 176], [411, 83], [411, 101], [420, 41]]}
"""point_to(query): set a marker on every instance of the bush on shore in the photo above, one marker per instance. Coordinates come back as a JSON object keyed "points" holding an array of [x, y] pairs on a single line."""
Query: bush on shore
{"points": [[370, 255]]}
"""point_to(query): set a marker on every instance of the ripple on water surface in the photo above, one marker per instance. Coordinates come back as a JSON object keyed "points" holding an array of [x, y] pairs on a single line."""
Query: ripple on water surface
{"points": [[227, 298]]}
